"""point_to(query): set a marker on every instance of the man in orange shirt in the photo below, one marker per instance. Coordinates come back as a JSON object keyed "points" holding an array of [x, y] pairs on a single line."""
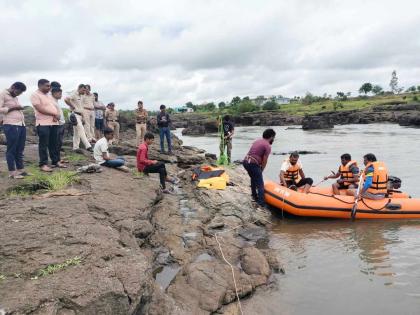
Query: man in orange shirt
{"points": [[46, 122]]}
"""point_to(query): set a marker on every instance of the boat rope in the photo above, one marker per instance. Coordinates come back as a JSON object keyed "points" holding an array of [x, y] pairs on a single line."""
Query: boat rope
{"points": [[227, 262], [373, 209]]}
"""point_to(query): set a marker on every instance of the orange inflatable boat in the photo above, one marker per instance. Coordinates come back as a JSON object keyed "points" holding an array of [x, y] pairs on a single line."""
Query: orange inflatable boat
{"points": [[320, 202]]}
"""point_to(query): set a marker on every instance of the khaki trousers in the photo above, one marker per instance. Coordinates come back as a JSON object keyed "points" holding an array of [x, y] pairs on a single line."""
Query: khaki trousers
{"points": [[140, 132], [114, 125], [89, 118], [79, 134]]}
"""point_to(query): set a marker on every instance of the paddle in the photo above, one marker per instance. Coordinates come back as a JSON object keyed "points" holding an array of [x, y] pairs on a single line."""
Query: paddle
{"points": [[325, 179], [356, 199]]}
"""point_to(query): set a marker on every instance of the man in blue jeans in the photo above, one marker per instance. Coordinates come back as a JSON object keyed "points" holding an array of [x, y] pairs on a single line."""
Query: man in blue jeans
{"points": [[163, 122], [14, 128], [101, 153], [255, 162]]}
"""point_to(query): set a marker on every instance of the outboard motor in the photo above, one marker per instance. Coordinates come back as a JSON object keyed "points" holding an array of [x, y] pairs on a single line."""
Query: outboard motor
{"points": [[394, 183]]}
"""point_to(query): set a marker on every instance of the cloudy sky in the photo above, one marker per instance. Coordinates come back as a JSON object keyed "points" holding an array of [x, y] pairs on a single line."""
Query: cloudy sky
{"points": [[171, 52]]}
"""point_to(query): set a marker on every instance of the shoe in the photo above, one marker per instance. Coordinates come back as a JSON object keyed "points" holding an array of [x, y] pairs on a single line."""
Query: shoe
{"points": [[25, 173], [78, 151], [174, 180], [89, 149], [60, 165], [167, 191], [123, 168], [16, 176], [46, 168]]}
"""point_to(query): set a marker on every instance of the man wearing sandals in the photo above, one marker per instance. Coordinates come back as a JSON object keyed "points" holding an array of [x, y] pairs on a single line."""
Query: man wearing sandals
{"points": [[46, 122], [14, 129]]}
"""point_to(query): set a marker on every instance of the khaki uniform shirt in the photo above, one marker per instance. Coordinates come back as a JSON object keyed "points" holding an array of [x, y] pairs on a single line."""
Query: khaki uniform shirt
{"points": [[141, 116], [111, 115], [76, 100], [88, 101]]}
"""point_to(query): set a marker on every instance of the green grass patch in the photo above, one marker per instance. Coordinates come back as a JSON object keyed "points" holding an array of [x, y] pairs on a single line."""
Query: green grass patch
{"points": [[51, 269], [43, 182], [74, 157]]}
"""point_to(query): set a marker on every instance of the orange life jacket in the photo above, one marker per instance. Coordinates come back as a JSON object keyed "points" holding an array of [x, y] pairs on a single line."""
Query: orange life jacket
{"points": [[292, 173], [346, 173], [379, 178]]}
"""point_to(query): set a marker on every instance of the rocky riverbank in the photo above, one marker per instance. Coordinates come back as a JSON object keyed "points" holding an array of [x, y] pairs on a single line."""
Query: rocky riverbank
{"points": [[112, 244], [401, 113]]}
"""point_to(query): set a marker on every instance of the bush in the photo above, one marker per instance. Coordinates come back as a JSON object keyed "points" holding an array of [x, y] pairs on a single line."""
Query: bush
{"points": [[415, 98], [270, 105], [246, 106]]}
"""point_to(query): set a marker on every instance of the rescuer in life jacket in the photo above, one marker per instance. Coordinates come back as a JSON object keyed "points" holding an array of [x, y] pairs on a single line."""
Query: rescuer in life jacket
{"points": [[348, 173], [292, 176], [375, 179]]}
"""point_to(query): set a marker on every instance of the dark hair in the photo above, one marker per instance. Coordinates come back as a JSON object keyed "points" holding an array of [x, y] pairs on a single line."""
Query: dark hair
{"points": [[162, 106], [108, 131], [42, 82], [55, 84], [81, 86], [94, 93], [111, 104], [19, 86], [226, 118], [140, 102], [56, 90], [87, 86], [294, 154], [370, 157], [148, 135], [269, 133], [346, 157]]}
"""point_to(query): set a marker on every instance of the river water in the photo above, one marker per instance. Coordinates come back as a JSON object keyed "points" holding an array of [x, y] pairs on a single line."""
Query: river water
{"points": [[336, 266]]}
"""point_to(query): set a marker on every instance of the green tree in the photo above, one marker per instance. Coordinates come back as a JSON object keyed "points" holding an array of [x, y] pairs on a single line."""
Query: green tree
{"points": [[366, 88], [341, 96], [308, 99], [221, 105], [377, 89], [394, 83], [270, 105], [411, 89], [259, 100], [246, 105], [189, 104], [235, 101], [418, 88], [209, 107]]}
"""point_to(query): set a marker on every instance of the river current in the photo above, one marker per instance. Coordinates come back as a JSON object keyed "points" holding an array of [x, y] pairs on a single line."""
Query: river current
{"points": [[336, 266]]}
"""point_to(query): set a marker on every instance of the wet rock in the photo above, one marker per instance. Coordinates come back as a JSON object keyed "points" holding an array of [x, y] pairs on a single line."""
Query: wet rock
{"points": [[317, 122], [188, 160], [253, 233], [208, 285], [123, 150], [201, 127], [254, 262], [210, 156]]}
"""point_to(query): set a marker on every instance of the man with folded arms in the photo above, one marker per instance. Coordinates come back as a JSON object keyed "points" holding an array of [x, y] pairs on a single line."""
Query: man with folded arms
{"points": [[75, 103], [46, 122]]}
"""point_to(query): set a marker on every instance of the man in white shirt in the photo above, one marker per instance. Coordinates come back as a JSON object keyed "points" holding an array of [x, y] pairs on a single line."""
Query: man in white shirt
{"points": [[292, 176], [101, 153]]}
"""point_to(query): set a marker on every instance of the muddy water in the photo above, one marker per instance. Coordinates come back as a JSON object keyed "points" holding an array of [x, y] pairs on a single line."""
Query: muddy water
{"points": [[335, 266]]}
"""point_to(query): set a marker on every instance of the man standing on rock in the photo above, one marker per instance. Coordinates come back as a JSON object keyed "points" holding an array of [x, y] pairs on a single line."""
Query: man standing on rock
{"points": [[14, 128], [89, 113], [75, 103], [141, 121], [226, 142], [163, 122], [99, 117], [112, 121], [46, 122], [255, 162]]}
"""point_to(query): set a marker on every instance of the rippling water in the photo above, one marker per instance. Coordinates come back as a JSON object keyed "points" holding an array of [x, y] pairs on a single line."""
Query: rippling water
{"points": [[336, 266]]}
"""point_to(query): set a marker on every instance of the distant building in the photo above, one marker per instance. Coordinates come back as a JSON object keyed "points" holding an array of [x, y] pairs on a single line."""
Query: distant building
{"points": [[183, 109], [282, 100], [260, 100]]}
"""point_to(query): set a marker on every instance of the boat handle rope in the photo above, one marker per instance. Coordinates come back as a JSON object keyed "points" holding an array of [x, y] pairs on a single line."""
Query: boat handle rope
{"points": [[362, 200]]}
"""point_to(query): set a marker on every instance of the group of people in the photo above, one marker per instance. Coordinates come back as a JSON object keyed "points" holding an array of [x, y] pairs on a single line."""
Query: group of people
{"points": [[376, 184], [94, 124]]}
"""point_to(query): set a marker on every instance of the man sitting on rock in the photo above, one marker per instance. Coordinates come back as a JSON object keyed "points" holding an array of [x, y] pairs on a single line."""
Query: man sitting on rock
{"points": [[152, 166], [101, 153]]}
